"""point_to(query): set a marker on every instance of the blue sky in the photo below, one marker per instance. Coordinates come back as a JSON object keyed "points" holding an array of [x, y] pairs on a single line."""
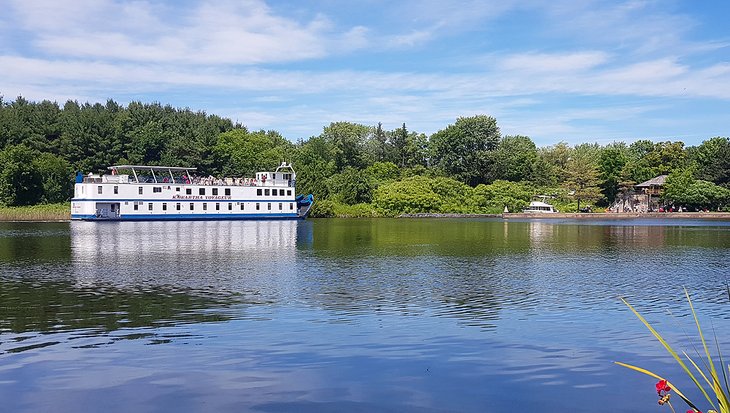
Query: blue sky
{"points": [[560, 70]]}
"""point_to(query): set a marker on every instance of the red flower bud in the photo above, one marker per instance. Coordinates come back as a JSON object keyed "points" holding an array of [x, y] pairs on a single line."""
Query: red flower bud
{"points": [[662, 386]]}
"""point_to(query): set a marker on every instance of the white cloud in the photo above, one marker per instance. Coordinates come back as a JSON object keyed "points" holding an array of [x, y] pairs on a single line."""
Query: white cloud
{"points": [[664, 77], [96, 49], [221, 32], [554, 62]]}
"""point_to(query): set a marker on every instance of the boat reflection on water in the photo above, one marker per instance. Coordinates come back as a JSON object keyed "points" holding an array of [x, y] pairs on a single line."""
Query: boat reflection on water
{"points": [[182, 254]]}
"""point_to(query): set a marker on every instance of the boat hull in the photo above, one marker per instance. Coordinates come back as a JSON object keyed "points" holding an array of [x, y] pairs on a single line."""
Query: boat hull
{"points": [[190, 217]]}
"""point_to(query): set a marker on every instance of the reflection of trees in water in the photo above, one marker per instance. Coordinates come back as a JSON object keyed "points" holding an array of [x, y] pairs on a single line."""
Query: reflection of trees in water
{"points": [[415, 237], [22, 242], [47, 306], [406, 286], [109, 276]]}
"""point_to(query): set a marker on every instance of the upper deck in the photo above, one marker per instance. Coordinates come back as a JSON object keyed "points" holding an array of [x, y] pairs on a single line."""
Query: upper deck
{"points": [[283, 176]]}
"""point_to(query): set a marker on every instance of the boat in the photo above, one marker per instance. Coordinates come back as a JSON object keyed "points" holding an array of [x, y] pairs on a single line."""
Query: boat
{"points": [[540, 207], [139, 192]]}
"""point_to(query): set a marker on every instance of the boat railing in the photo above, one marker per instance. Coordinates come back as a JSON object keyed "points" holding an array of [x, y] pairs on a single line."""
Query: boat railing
{"points": [[195, 180]]}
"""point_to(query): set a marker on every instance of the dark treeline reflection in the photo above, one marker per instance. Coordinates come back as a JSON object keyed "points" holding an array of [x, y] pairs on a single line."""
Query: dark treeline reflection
{"points": [[46, 306], [473, 269], [114, 275], [497, 237], [23, 241]]}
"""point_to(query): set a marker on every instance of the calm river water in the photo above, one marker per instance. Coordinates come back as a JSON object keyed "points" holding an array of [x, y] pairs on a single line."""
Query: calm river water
{"points": [[442, 315]]}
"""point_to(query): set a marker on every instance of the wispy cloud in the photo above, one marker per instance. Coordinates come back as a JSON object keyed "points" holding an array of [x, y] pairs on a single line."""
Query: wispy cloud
{"points": [[554, 62], [420, 62], [220, 32]]}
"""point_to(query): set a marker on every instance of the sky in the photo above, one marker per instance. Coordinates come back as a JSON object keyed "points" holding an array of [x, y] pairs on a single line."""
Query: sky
{"points": [[558, 70]]}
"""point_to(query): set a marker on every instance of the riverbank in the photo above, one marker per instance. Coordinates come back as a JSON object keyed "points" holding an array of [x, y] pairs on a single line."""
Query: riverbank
{"points": [[61, 212], [36, 213], [584, 216]]}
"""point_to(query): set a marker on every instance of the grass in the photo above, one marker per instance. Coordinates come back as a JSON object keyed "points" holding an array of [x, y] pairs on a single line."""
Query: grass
{"points": [[712, 383], [47, 212]]}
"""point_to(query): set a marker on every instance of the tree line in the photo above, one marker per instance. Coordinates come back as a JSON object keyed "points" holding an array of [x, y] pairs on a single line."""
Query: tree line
{"points": [[352, 169]]}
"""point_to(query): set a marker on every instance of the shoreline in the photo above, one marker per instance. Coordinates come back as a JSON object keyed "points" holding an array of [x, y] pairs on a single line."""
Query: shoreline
{"points": [[595, 216], [590, 216]]}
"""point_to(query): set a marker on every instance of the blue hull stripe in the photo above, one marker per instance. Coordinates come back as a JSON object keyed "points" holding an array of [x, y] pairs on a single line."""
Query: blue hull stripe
{"points": [[188, 217]]}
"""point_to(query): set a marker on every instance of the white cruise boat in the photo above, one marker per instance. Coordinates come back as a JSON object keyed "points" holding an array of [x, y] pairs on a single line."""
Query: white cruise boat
{"points": [[135, 192], [540, 207]]}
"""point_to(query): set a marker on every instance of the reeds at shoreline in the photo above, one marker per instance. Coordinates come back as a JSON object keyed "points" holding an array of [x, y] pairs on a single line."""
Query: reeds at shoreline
{"points": [[49, 212]]}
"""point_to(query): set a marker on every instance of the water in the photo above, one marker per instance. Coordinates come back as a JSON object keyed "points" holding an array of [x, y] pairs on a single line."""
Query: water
{"points": [[383, 315]]}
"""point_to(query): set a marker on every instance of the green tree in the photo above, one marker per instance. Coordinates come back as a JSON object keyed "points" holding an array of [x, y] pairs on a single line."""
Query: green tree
{"points": [[399, 142], [242, 153], [379, 147], [21, 182], [409, 149], [666, 157], [713, 160], [611, 163], [514, 159], [56, 175], [348, 140], [552, 163], [682, 189], [463, 150], [383, 172], [411, 195], [493, 198], [350, 187], [637, 167], [314, 161], [582, 180]]}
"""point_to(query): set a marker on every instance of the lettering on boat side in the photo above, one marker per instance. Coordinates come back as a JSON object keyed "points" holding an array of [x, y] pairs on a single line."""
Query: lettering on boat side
{"points": [[212, 197]]}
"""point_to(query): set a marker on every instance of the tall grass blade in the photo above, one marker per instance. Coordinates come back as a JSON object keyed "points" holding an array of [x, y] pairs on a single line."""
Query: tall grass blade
{"points": [[671, 351], [722, 363], [716, 387], [699, 370], [656, 376]]}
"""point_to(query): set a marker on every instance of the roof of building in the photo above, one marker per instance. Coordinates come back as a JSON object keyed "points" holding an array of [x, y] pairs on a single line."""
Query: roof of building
{"points": [[656, 181]]}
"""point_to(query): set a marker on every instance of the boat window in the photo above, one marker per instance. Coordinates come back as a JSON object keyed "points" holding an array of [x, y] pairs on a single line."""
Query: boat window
{"points": [[99, 188], [258, 206], [274, 192], [188, 191], [136, 206], [230, 206], [205, 206], [273, 176], [266, 192], [141, 190], [116, 189], [177, 188], [201, 191], [288, 192], [217, 206], [157, 189], [228, 191], [178, 206], [258, 192], [149, 206], [164, 206], [280, 206], [291, 206], [192, 206], [269, 206], [215, 191], [242, 206]]}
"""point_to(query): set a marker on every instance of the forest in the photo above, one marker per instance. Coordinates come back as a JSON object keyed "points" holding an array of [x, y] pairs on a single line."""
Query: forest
{"points": [[352, 169]]}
